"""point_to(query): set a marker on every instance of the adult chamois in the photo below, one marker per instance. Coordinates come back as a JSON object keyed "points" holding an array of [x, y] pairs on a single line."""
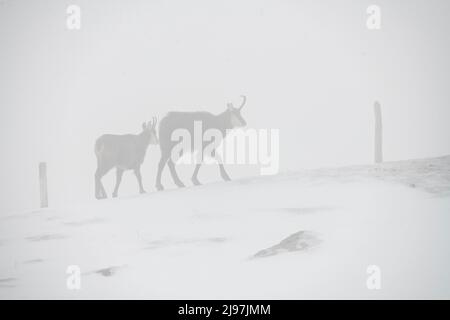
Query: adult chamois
{"points": [[124, 152], [227, 120]]}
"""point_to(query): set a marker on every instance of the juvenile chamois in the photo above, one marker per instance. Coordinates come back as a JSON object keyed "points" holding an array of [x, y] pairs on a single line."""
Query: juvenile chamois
{"points": [[124, 152], [229, 119]]}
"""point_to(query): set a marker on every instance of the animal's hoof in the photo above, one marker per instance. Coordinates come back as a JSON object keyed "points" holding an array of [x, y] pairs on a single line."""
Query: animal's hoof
{"points": [[159, 187], [196, 182], [226, 178], [142, 191], [114, 195], [180, 185]]}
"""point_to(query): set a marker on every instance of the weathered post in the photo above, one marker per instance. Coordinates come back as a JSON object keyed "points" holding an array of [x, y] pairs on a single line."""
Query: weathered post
{"points": [[43, 184], [378, 133]]}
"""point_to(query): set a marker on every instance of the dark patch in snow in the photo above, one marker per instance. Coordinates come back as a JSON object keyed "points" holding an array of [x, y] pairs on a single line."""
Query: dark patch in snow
{"points": [[108, 272], [32, 261], [20, 216], [46, 237], [165, 243], [209, 215], [299, 241], [217, 239], [7, 282], [84, 222], [53, 218], [305, 210], [30, 214]]}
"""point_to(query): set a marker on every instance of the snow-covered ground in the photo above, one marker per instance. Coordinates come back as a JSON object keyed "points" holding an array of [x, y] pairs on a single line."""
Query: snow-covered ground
{"points": [[308, 234]]}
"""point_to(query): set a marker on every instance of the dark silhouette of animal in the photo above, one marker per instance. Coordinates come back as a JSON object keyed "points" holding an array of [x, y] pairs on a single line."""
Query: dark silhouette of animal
{"points": [[229, 119], [123, 152]]}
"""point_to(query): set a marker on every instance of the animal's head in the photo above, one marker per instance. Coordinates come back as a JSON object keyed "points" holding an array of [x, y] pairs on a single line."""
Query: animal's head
{"points": [[149, 131], [235, 114]]}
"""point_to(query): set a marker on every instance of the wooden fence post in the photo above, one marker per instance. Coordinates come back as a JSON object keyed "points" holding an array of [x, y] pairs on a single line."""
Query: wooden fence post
{"points": [[378, 133], [43, 184]]}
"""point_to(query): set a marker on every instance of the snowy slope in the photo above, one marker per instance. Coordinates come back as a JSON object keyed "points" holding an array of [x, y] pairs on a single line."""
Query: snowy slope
{"points": [[308, 234]]}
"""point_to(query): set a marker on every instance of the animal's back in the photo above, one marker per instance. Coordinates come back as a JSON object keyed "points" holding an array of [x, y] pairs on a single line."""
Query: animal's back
{"points": [[111, 141], [118, 149], [182, 120]]}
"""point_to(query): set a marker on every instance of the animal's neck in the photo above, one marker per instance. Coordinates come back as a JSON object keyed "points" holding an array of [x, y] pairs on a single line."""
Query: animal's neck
{"points": [[143, 139], [224, 121]]}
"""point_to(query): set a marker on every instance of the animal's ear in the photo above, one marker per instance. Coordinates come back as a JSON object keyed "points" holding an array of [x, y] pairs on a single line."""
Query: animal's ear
{"points": [[230, 106], [144, 126]]}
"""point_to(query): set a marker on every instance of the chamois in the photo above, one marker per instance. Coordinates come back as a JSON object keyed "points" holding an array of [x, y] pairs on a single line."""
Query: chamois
{"points": [[124, 152], [229, 119]]}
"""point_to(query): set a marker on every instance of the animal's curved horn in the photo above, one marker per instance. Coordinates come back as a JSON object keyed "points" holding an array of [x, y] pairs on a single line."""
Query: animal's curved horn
{"points": [[243, 102]]}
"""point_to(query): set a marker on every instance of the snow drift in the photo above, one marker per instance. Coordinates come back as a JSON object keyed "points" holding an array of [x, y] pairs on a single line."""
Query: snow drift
{"points": [[301, 235]]}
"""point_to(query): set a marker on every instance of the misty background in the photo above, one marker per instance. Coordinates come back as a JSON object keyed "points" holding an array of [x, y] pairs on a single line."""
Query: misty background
{"points": [[311, 69]]}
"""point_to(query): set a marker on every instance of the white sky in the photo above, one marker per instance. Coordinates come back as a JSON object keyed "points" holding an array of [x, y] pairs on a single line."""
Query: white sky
{"points": [[309, 68]]}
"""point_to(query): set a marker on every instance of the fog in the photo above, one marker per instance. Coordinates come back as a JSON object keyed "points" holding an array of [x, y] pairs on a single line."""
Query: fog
{"points": [[311, 69]]}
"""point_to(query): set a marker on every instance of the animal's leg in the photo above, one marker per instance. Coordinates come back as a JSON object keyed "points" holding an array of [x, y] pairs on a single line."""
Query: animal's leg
{"points": [[223, 173], [100, 192], [103, 191], [97, 187], [194, 176], [174, 174], [137, 172], [162, 163], [119, 173]]}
